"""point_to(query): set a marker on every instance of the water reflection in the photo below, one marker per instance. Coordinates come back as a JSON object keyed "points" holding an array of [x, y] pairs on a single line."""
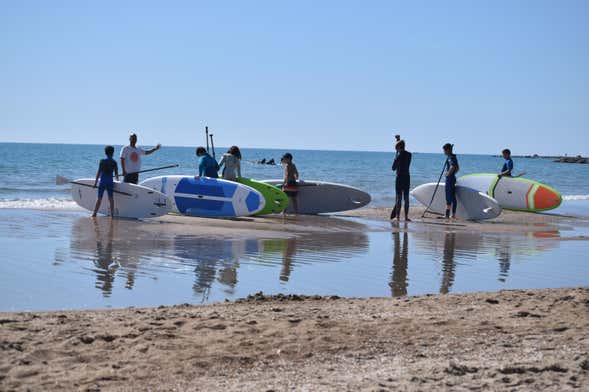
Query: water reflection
{"points": [[129, 248], [399, 280]]}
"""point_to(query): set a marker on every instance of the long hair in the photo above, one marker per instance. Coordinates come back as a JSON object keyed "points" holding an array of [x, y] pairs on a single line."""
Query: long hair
{"points": [[234, 150]]}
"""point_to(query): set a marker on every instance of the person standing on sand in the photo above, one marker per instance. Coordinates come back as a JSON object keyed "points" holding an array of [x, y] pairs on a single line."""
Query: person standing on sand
{"points": [[451, 170], [289, 182], [131, 159], [402, 181], [232, 161], [507, 168], [207, 166], [106, 169]]}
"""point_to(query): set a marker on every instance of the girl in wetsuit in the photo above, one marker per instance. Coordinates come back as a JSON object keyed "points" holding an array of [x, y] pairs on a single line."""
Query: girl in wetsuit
{"points": [[289, 183], [106, 169], [402, 182]]}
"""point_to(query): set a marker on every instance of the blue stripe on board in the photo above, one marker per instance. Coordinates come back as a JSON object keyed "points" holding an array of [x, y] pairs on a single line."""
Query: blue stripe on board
{"points": [[204, 207], [252, 202], [205, 187]]}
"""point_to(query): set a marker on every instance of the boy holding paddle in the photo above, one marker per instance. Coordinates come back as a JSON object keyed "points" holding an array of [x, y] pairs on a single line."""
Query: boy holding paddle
{"points": [[106, 168]]}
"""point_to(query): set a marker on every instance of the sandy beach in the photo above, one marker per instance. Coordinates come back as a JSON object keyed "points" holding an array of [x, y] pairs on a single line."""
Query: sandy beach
{"points": [[510, 340]]}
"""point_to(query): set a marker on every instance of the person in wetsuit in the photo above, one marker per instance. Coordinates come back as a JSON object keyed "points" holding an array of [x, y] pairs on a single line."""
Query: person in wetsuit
{"points": [[207, 165], [451, 170], [507, 168], [106, 169], [402, 182]]}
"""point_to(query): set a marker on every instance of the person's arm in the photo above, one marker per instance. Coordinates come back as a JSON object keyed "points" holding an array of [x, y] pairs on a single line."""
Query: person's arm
{"points": [[201, 167], [396, 162], [239, 168], [98, 172], [296, 173], [152, 150], [221, 162]]}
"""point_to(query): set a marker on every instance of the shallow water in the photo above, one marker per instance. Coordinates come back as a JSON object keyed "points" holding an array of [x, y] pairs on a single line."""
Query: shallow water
{"points": [[64, 260]]}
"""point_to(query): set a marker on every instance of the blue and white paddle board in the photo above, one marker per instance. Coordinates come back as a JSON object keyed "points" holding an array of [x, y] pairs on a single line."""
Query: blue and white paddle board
{"points": [[208, 197]]}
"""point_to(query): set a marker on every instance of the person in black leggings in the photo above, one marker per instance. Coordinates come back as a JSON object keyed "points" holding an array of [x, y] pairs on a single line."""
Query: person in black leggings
{"points": [[402, 182]]}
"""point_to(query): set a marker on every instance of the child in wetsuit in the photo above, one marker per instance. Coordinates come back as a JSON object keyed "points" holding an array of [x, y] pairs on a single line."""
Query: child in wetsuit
{"points": [[402, 182], [106, 168], [507, 168], [289, 184], [451, 170], [232, 161]]}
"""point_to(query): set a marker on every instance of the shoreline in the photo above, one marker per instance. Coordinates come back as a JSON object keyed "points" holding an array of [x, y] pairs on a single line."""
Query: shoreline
{"points": [[524, 339]]}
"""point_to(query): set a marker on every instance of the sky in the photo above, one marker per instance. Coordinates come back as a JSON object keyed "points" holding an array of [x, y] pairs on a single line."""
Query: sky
{"points": [[326, 75]]}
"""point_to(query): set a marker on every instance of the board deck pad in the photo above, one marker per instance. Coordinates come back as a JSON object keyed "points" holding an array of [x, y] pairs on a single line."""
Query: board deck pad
{"points": [[208, 197], [276, 200], [472, 204], [131, 201], [318, 197], [514, 193]]}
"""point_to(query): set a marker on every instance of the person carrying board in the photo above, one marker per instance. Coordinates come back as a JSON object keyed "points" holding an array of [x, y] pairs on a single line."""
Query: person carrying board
{"points": [[232, 161], [289, 182], [402, 182], [131, 159], [507, 168], [207, 166], [451, 170], [106, 169]]}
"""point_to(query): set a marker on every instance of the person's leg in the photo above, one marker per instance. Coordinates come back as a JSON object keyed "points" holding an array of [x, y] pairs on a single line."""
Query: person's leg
{"points": [[111, 200], [295, 204], [453, 200], [99, 199], [406, 186], [398, 194], [448, 189]]}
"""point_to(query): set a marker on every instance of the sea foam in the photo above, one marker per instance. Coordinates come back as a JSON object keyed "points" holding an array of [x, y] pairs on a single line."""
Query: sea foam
{"points": [[40, 204]]}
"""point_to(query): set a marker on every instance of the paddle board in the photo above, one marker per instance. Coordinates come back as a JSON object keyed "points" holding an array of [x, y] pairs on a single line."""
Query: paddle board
{"points": [[514, 193], [276, 200], [208, 197], [318, 197], [472, 204], [131, 201]]}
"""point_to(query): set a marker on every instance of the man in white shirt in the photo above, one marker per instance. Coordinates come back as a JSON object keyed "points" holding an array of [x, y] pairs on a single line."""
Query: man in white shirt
{"points": [[131, 159]]}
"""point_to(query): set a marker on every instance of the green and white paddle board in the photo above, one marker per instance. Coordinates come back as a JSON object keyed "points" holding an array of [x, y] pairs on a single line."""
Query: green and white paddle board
{"points": [[276, 199]]}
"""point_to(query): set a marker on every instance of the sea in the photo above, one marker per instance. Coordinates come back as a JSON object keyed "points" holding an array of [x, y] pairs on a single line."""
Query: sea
{"points": [[53, 256], [27, 171]]}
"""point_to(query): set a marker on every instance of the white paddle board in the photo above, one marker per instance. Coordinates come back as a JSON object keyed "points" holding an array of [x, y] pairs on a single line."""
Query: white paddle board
{"points": [[514, 193], [318, 197], [472, 204], [131, 201], [208, 197]]}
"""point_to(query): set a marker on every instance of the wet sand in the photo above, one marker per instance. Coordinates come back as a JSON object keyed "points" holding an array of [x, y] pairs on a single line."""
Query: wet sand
{"points": [[509, 340]]}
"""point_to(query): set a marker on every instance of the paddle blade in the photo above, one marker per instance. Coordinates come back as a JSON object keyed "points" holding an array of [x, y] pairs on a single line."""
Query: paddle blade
{"points": [[61, 180]]}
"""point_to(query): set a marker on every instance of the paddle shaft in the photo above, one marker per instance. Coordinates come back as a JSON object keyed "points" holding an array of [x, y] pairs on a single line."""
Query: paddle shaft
{"points": [[212, 145], [436, 189], [156, 168], [92, 186], [207, 137]]}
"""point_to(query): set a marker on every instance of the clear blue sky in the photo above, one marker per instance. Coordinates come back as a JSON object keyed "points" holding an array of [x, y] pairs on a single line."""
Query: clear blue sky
{"points": [[307, 74]]}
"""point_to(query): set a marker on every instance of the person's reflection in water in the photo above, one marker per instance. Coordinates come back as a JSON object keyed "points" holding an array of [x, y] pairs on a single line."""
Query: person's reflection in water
{"points": [[504, 262], [448, 265], [288, 251], [104, 260], [398, 281]]}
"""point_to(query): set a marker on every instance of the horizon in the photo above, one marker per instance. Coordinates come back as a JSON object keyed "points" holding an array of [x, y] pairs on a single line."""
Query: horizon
{"points": [[337, 76]]}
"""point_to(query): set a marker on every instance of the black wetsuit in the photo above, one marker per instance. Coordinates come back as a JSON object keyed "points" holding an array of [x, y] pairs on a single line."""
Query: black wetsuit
{"points": [[402, 182]]}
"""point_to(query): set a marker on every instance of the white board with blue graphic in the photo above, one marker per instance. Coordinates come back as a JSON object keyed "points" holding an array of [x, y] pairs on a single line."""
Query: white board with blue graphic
{"points": [[208, 197]]}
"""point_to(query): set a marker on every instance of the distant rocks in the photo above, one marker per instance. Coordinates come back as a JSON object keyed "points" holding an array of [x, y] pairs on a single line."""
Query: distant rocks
{"points": [[555, 158], [577, 159]]}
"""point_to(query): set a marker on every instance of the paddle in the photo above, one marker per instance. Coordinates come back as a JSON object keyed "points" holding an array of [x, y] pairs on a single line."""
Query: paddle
{"points": [[435, 190], [212, 145], [207, 137], [60, 180], [155, 168]]}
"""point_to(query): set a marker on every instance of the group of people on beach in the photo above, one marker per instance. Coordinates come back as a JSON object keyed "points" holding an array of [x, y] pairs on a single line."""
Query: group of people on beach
{"points": [[401, 165], [130, 156]]}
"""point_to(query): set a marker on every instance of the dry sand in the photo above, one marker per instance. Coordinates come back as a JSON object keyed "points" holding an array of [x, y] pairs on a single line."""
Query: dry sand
{"points": [[510, 340]]}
